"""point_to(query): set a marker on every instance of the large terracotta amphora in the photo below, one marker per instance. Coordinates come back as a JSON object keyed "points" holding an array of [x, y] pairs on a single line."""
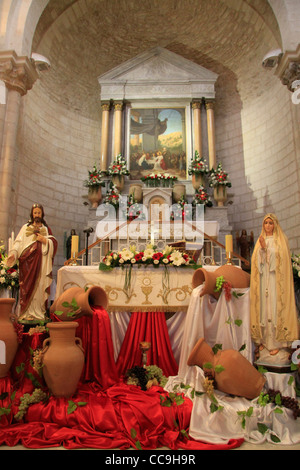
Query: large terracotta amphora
{"points": [[238, 278], [63, 359], [237, 376], [8, 337], [84, 299]]}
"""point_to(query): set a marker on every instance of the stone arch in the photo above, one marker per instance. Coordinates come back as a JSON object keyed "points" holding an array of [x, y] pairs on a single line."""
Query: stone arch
{"points": [[19, 20], [288, 17]]}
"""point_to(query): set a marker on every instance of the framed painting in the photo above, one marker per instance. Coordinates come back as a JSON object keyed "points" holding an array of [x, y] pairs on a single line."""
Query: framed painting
{"points": [[157, 142]]}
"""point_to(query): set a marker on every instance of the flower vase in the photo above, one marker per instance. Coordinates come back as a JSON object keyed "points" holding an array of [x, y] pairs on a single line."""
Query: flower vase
{"points": [[178, 192], [136, 190], [220, 194], [63, 359], [118, 181], [197, 180], [232, 372], [5, 294], [8, 337], [95, 196]]}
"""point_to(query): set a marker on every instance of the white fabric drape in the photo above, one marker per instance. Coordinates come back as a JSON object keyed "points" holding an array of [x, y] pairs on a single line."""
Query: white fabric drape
{"points": [[219, 323]]}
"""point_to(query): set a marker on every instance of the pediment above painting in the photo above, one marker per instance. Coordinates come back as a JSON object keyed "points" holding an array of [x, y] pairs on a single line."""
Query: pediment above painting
{"points": [[157, 73]]}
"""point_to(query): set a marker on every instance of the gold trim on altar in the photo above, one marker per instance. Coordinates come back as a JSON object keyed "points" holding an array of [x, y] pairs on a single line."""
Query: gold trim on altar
{"points": [[150, 289]]}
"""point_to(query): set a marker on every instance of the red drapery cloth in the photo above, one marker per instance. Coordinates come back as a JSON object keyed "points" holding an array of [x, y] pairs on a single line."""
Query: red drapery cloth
{"points": [[151, 327], [107, 408], [95, 333], [105, 421]]}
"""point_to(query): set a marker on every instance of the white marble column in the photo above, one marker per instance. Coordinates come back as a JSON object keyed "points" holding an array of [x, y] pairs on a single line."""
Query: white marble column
{"points": [[211, 134], [104, 136]]}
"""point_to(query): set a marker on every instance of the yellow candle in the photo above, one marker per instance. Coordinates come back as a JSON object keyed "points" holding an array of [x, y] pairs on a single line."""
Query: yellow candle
{"points": [[74, 245], [228, 243]]}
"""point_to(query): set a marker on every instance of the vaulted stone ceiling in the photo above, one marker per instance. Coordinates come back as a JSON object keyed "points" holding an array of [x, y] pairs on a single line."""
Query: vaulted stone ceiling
{"points": [[85, 38]]}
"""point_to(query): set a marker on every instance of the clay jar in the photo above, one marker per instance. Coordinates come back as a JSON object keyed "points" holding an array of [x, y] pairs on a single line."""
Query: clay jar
{"points": [[238, 377], [95, 296], [236, 276], [8, 337], [63, 359]]}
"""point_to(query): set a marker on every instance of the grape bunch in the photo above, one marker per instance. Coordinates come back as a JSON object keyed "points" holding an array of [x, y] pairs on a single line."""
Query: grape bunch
{"points": [[227, 289], [140, 374], [19, 330], [286, 401], [219, 283], [26, 400]]}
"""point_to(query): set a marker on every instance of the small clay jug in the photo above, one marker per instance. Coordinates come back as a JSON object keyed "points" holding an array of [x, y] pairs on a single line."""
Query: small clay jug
{"points": [[8, 337], [236, 276], [95, 296], [238, 377], [63, 359]]}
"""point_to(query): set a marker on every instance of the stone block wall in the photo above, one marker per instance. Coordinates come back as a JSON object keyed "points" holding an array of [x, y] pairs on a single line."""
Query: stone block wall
{"points": [[259, 149], [57, 147]]}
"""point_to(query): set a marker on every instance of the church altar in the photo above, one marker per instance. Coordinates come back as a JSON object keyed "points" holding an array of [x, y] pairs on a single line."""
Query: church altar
{"points": [[148, 289], [145, 289]]}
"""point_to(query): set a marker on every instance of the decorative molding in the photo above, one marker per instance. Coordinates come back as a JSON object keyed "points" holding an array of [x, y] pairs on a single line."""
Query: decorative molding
{"points": [[288, 69], [18, 73], [158, 74]]}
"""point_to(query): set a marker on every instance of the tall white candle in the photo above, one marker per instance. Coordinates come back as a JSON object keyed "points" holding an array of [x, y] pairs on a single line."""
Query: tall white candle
{"points": [[228, 244], [74, 245]]}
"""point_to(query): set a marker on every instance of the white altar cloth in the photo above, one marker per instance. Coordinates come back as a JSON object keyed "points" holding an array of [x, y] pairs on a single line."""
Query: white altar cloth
{"points": [[151, 289]]}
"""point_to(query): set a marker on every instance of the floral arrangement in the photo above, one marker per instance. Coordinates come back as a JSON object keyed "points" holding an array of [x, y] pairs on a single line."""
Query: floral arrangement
{"points": [[181, 210], [118, 167], [170, 256], [201, 197], [9, 277], [159, 179], [112, 196], [94, 179], [218, 177], [198, 165], [133, 209]]}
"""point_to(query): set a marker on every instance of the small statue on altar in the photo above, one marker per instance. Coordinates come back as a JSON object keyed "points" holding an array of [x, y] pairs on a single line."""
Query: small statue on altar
{"points": [[245, 244], [69, 243], [274, 323], [34, 248]]}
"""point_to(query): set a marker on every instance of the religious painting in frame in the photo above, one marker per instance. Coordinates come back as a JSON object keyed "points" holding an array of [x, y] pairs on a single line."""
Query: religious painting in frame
{"points": [[157, 142]]}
